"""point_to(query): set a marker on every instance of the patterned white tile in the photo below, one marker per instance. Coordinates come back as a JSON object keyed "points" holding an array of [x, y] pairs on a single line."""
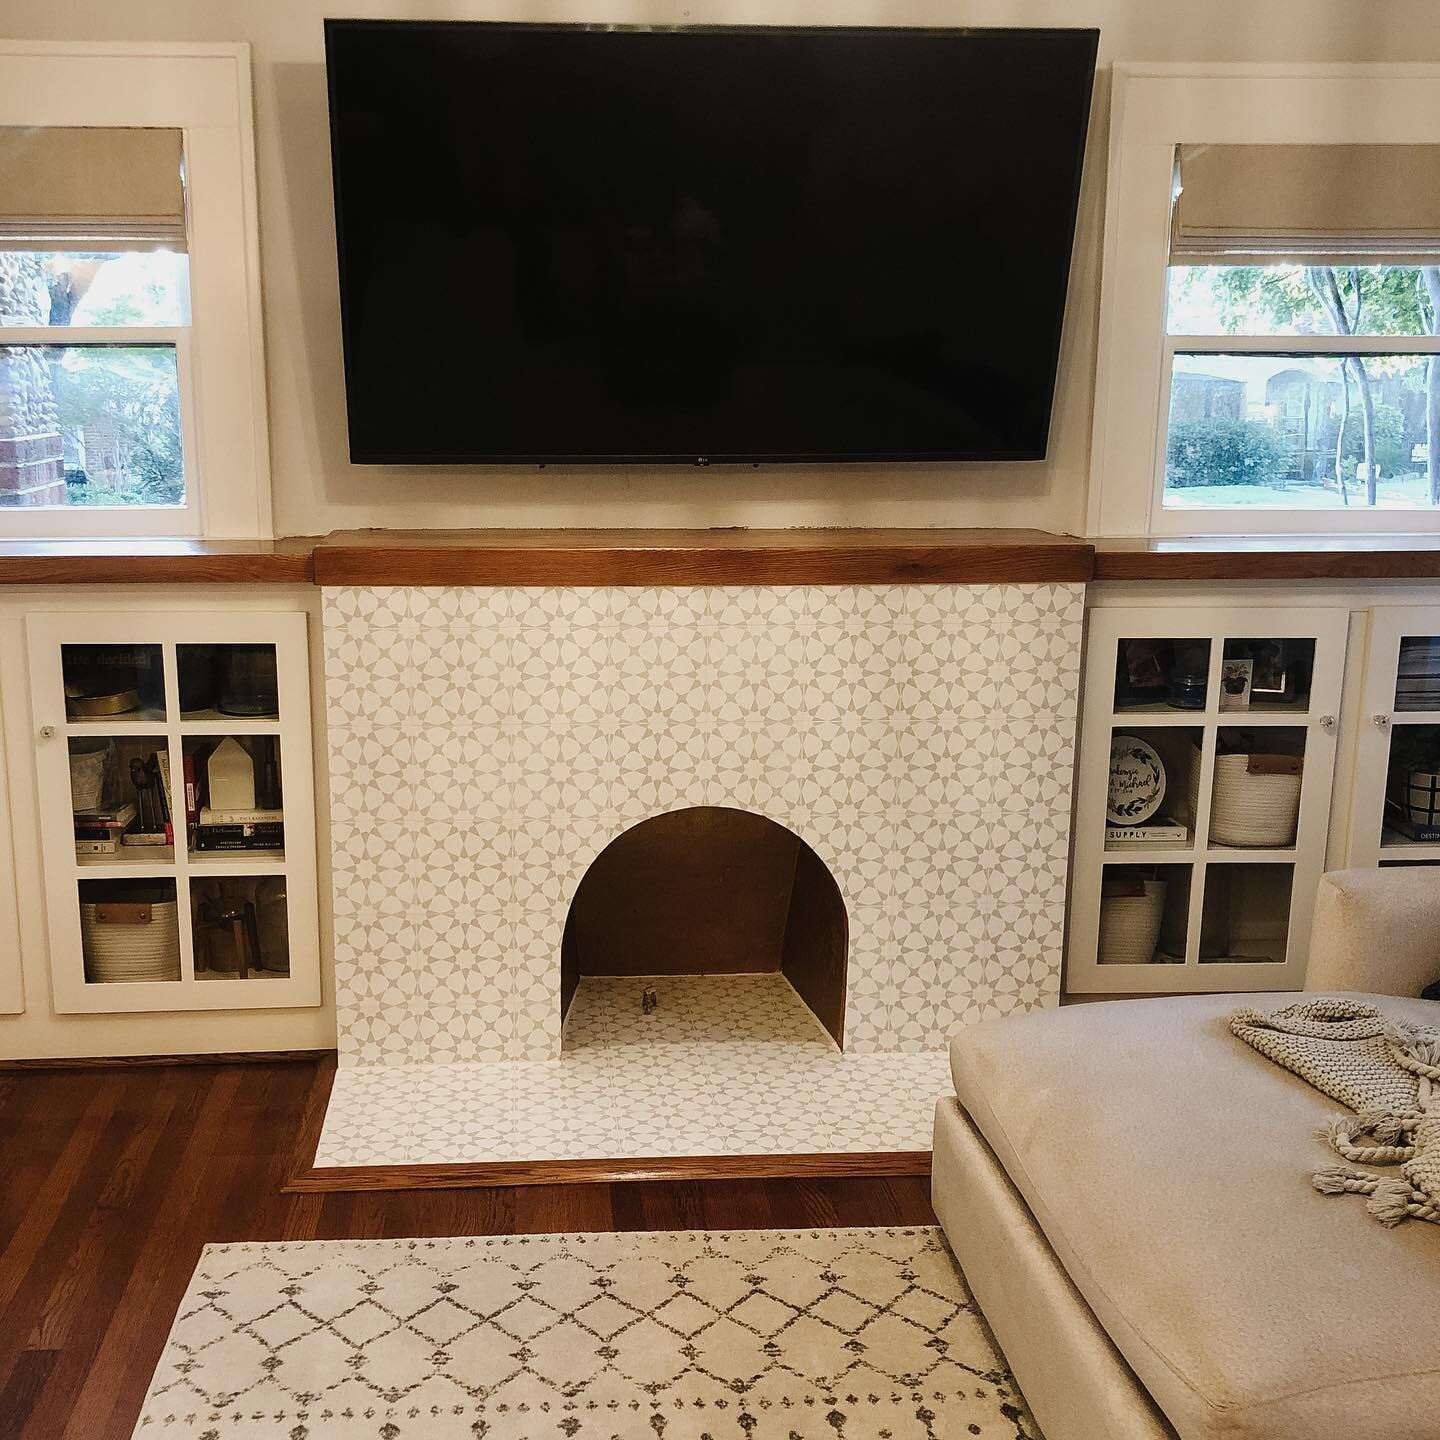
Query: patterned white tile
{"points": [[486, 744], [725, 1065]]}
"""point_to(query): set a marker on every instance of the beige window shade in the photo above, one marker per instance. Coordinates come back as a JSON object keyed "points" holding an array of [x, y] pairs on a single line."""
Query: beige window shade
{"points": [[1309, 204], [92, 189]]}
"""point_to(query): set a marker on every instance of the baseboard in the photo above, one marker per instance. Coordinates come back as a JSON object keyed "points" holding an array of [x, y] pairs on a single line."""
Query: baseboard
{"points": [[227, 1057], [572, 1172]]}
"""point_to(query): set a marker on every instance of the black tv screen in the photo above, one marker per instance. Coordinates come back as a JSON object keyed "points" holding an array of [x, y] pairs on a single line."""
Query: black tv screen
{"points": [[586, 244]]}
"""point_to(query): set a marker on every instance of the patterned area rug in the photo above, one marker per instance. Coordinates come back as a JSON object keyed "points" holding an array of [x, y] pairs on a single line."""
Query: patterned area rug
{"points": [[752, 1335]]}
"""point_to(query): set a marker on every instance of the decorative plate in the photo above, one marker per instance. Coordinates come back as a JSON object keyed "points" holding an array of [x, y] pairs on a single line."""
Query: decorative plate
{"points": [[1137, 781]]}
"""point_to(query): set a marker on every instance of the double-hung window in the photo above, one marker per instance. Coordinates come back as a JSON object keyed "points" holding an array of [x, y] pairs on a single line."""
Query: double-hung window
{"points": [[94, 319], [1302, 349], [132, 376], [1267, 357]]}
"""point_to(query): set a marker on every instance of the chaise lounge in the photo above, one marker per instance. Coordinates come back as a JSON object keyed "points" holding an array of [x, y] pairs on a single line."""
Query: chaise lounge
{"points": [[1126, 1186]]}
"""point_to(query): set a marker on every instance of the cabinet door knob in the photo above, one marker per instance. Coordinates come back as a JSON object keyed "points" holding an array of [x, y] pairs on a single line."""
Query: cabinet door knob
{"points": [[1380, 722], [47, 732], [1327, 724]]}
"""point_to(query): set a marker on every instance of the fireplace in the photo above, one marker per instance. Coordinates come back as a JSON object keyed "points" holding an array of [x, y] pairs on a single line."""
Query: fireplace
{"points": [[710, 890], [496, 752]]}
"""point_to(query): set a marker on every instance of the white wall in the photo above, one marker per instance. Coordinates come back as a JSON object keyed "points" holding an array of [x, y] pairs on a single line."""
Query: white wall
{"points": [[317, 490]]}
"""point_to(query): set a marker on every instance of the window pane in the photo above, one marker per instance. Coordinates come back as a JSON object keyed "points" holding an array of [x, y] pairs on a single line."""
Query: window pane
{"points": [[90, 425], [1290, 432], [141, 287], [1300, 300]]}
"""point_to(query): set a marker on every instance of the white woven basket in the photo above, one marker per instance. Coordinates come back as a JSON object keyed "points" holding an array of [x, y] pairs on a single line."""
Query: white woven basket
{"points": [[118, 954], [1130, 926], [1253, 812]]}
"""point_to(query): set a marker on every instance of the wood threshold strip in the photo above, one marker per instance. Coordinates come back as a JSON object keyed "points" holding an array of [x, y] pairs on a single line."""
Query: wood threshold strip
{"points": [[111, 1062], [572, 1172]]}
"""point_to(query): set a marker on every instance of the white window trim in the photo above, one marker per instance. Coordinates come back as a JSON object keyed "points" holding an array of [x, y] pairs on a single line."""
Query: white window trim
{"points": [[204, 91], [1154, 108]]}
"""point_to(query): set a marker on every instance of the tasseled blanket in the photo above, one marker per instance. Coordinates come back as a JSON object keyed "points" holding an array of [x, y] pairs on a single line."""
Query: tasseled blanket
{"points": [[1387, 1072]]}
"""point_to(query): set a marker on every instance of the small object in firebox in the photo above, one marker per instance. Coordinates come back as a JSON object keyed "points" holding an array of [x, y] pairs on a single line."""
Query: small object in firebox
{"points": [[648, 999]]}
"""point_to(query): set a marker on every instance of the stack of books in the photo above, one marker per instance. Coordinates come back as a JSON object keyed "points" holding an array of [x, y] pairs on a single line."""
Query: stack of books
{"points": [[239, 829], [99, 832], [1417, 681]]}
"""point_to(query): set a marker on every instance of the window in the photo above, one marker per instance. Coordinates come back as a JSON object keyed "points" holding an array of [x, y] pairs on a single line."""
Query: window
{"points": [[94, 314], [131, 370], [1302, 329], [1267, 327]]}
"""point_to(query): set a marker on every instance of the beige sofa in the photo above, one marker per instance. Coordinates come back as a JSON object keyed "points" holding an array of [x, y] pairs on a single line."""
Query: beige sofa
{"points": [[1126, 1186]]}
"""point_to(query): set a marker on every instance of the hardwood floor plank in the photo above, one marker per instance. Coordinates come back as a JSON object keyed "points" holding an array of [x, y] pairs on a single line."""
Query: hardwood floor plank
{"points": [[115, 1178], [22, 1390]]}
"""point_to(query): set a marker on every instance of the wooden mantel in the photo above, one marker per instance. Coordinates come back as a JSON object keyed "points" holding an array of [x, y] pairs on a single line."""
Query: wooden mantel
{"points": [[712, 557], [698, 557], [563, 557]]}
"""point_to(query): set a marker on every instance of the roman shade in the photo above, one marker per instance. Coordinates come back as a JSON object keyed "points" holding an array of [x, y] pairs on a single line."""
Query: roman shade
{"points": [[91, 189], [1306, 204]]}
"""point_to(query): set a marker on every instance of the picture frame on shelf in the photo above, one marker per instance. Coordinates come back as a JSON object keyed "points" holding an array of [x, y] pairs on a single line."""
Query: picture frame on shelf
{"points": [[1236, 677]]}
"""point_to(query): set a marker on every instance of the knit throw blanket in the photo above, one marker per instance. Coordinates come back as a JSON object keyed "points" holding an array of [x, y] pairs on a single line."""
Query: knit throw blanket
{"points": [[1388, 1073]]}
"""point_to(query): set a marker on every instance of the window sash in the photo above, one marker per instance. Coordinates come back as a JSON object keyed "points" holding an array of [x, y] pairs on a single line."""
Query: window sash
{"points": [[92, 334], [1176, 520], [1301, 345], [88, 521]]}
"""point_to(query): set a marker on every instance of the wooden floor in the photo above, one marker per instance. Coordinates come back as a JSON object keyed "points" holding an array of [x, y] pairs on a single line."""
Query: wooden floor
{"points": [[111, 1180]]}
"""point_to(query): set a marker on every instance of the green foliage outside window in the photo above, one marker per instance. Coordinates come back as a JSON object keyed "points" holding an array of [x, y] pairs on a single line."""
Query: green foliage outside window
{"points": [[1224, 452]]}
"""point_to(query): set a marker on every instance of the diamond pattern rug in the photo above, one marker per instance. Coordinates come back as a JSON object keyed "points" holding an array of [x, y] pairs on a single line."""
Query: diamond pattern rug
{"points": [[859, 1334]]}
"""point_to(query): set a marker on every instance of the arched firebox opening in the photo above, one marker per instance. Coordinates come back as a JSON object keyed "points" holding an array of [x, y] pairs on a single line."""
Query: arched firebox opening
{"points": [[711, 890]]}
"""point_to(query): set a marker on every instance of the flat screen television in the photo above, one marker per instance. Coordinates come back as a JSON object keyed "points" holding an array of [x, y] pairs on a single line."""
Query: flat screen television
{"points": [[702, 245]]}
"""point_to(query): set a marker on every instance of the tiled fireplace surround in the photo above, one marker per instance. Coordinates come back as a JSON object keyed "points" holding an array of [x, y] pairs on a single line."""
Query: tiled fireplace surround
{"points": [[486, 744]]}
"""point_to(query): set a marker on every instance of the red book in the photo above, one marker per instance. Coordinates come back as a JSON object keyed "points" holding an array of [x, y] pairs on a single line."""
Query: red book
{"points": [[192, 795]]}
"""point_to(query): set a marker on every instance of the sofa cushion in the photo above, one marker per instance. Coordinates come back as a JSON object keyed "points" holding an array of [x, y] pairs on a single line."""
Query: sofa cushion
{"points": [[1168, 1165]]}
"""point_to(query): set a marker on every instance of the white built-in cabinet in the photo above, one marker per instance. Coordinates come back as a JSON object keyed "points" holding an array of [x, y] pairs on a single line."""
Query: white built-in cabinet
{"points": [[1225, 903], [1395, 813], [192, 907]]}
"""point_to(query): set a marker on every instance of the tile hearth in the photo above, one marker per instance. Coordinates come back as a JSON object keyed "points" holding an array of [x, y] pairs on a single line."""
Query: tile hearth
{"points": [[725, 1065]]}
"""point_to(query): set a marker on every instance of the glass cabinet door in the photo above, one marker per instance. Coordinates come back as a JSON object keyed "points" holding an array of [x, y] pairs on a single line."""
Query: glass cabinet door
{"points": [[1395, 813], [173, 755], [1207, 756]]}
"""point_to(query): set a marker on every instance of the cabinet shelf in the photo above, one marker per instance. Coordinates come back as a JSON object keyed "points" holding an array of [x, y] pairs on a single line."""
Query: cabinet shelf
{"points": [[1243, 855], [131, 723], [1148, 855], [135, 861], [238, 862], [213, 723], [1157, 714], [1162, 714], [1394, 846]]}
